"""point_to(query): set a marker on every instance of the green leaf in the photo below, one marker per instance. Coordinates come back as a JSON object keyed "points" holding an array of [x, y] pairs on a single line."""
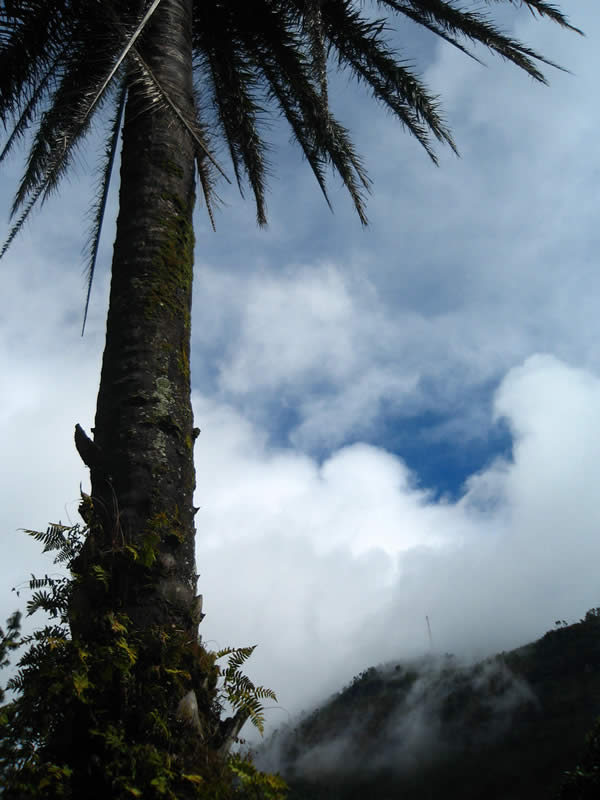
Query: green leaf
{"points": [[127, 649], [193, 778], [80, 683]]}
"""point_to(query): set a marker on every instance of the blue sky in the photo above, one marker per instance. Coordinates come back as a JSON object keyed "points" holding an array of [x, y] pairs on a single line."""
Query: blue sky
{"points": [[396, 421]]}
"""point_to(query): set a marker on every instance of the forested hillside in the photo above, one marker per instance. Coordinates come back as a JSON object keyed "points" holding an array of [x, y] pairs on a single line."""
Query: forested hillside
{"points": [[505, 728]]}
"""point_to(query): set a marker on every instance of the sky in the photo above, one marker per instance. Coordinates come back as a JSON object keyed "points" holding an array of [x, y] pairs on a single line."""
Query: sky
{"points": [[397, 422]]}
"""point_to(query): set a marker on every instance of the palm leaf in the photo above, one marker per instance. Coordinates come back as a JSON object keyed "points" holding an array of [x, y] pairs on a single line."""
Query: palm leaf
{"points": [[62, 57], [38, 93], [100, 204], [235, 89]]}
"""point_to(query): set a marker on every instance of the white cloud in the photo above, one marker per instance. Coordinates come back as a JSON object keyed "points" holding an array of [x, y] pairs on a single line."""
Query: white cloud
{"points": [[286, 323], [333, 567]]}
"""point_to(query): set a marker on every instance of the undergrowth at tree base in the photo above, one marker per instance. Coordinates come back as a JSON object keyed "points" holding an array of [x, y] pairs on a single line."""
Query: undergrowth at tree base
{"points": [[120, 712]]}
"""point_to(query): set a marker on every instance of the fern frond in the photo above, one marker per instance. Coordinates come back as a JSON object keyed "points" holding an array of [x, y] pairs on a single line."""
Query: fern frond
{"points": [[240, 690], [39, 599], [17, 682], [66, 540], [53, 537], [239, 656], [9, 640], [48, 631], [100, 574], [40, 583], [264, 693]]}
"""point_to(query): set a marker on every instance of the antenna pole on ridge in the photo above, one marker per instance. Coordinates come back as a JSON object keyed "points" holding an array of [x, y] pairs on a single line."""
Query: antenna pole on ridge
{"points": [[429, 632]]}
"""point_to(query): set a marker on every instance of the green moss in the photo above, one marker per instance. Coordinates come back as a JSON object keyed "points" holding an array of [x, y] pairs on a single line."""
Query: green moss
{"points": [[171, 168], [183, 362], [173, 267], [166, 525]]}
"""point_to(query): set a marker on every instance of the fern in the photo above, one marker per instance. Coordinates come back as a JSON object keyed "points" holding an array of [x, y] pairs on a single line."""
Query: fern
{"points": [[239, 691], [9, 641], [52, 539], [39, 583], [257, 784], [41, 599], [66, 540], [57, 677]]}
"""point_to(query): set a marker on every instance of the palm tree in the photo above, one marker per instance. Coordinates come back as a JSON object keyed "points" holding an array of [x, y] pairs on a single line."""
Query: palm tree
{"points": [[175, 77]]}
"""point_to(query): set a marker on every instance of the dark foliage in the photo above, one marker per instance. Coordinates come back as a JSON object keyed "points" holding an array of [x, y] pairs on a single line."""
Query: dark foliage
{"points": [[61, 686]]}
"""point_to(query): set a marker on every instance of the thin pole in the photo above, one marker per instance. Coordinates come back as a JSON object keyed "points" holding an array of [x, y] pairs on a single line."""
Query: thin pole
{"points": [[429, 632]]}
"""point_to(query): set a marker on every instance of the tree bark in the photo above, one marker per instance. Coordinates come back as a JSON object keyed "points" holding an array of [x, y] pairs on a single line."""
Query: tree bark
{"points": [[143, 477], [134, 612]]}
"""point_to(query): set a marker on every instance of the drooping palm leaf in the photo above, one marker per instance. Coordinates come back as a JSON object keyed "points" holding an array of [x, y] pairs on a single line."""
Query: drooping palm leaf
{"points": [[59, 60], [99, 206]]}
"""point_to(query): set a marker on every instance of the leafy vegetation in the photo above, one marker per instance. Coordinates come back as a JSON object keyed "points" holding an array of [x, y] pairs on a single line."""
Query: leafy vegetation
{"points": [[58, 679]]}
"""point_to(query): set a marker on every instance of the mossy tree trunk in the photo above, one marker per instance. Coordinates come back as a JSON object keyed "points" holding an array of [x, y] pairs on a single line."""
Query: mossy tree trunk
{"points": [[142, 474], [137, 568]]}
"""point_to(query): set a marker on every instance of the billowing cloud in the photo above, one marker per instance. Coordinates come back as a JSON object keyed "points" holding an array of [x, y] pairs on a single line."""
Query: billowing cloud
{"points": [[332, 567]]}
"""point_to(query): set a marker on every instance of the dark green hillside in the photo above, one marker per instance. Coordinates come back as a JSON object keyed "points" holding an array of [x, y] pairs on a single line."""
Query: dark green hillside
{"points": [[506, 728]]}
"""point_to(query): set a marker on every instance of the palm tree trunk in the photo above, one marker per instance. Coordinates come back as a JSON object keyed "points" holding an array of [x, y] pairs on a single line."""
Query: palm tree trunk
{"points": [[137, 573], [142, 469]]}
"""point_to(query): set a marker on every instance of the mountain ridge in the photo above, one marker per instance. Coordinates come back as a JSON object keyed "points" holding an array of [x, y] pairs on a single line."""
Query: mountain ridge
{"points": [[504, 728]]}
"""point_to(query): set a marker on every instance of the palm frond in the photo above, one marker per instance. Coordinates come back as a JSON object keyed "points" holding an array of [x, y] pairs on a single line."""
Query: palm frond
{"points": [[303, 135], [432, 25], [208, 176], [361, 48], [130, 42], [474, 26], [313, 25], [60, 59], [12, 234], [32, 35], [287, 73], [157, 94], [290, 75], [81, 91], [61, 129], [235, 89], [207, 183], [99, 206], [542, 9], [38, 93]]}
